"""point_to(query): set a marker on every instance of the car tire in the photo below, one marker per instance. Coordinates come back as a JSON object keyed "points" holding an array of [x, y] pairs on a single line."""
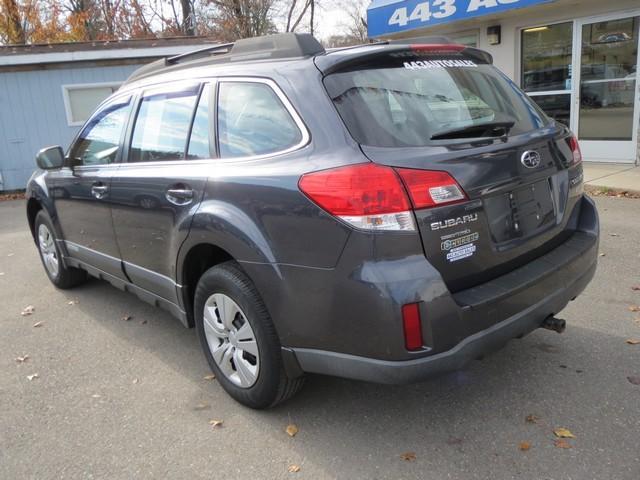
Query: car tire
{"points": [[61, 276], [226, 299]]}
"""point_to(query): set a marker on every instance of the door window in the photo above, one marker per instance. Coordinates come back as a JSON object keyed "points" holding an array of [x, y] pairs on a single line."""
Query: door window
{"points": [[99, 141], [253, 121], [162, 125], [200, 131]]}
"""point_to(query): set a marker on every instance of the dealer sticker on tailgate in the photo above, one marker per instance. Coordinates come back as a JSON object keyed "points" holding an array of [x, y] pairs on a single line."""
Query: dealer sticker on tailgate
{"points": [[461, 247], [459, 253]]}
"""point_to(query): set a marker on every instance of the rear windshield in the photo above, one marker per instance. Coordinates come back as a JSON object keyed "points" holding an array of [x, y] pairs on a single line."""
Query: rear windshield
{"points": [[404, 103]]}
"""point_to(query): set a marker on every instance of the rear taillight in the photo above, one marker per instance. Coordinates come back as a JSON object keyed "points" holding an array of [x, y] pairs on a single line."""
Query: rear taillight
{"points": [[575, 150], [412, 326], [367, 196], [429, 188], [373, 197]]}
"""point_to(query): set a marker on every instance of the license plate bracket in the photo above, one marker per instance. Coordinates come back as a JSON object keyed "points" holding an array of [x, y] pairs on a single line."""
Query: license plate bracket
{"points": [[521, 213]]}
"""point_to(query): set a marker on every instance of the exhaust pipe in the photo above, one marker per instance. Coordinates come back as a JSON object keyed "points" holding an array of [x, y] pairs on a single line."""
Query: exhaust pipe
{"points": [[556, 324]]}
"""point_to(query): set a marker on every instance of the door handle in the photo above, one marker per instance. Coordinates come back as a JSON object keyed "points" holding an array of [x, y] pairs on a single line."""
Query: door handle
{"points": [[99, 190], [180, 196]]}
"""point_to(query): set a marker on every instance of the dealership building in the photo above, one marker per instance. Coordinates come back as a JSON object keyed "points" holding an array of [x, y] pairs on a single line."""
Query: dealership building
{"points": [[577, 59]]}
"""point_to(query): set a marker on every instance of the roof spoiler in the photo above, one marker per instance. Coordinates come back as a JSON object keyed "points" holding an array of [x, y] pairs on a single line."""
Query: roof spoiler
{"points": [[351, 56]]}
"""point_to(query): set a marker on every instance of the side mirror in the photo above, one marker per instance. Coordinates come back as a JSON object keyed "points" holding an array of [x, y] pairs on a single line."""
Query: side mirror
{"points": [[50, 158]]}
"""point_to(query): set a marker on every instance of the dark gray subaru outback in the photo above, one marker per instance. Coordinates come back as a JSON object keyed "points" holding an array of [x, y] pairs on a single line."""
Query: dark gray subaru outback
{"points": [[383, 213]]}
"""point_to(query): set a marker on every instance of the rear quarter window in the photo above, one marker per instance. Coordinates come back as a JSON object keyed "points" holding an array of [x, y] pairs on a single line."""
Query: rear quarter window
{"points": [[404, 103], [253, 121]]}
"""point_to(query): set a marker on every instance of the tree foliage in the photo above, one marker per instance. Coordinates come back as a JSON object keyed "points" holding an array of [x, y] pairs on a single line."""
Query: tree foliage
{"points": [[50, 21]]}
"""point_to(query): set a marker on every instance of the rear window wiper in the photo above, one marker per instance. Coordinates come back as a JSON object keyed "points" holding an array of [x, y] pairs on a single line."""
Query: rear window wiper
{"points": [[489, 129]]}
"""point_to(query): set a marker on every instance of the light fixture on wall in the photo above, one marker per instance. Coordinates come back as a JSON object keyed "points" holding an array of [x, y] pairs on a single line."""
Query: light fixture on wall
{"points": [[536, 29], [494, 34]]}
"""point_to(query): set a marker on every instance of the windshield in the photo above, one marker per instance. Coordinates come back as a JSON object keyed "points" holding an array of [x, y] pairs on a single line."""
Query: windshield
{"points": [[408, 103]]}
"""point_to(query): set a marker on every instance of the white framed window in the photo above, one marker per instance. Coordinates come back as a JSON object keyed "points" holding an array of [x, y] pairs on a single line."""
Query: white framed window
{"points": [[80, 100], [468, 38]]}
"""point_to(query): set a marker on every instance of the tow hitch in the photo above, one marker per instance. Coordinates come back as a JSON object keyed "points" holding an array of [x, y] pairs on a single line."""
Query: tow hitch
{"points": [[555, 324]]}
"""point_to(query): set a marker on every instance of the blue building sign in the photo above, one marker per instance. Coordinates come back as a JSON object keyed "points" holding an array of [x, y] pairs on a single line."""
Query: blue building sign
{"points": [[390, 16]]}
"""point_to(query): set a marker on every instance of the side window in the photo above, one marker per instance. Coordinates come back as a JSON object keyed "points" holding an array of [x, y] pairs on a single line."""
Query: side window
{"points": [[199, 140], [99, 141], [162, 125], [253, 121]]}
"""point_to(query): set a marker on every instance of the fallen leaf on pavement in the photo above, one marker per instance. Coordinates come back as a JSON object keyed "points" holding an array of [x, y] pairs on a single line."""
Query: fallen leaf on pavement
{"points": [[22, 359], [636, 288], [28, 310], [293, 468], [31, 377], [524, 446], [202, 406], [633, 341], [634, 380], [215, 423], [210, 377], [603, 254], [634, 308], [38, 324], [135, 380], [126, 318], [560, 443], [291, 430], [531, 419], [563, 433], [613, 234], [408, 457]]}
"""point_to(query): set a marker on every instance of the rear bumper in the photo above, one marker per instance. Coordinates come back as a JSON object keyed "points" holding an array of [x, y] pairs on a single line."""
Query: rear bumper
{"points": [[477, 345], [486, 317]]}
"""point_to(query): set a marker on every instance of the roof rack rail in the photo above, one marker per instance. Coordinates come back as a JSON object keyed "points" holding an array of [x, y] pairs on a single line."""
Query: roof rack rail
{"points": [[268, 47], [210, 49]]}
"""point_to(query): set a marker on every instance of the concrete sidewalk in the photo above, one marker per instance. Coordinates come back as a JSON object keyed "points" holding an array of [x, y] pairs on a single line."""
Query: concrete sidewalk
{"points": [[619, 177]]}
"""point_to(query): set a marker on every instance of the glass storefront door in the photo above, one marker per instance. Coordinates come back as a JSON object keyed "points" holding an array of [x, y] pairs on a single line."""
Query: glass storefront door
{"points": [[584, 73], [607, 117], [547, 68]]}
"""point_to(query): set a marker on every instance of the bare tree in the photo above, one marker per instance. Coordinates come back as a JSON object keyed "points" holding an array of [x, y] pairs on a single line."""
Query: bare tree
{"points": [[356, 26], [188, 18], [300, 15], [242, 18]]}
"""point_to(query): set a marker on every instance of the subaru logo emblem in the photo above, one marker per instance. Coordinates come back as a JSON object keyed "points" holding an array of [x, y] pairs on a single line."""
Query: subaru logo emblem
{"points": [[530, 159]]}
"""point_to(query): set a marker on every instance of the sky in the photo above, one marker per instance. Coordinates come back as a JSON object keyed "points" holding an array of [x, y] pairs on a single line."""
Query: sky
{"points": [[329, 21]]}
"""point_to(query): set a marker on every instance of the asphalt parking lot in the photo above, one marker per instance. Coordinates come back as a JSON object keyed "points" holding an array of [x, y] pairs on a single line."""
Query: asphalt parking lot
{"points": [[121, 398]]}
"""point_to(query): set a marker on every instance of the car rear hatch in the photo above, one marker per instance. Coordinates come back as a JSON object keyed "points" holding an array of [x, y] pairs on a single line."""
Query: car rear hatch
{"points": [[445, 108]]}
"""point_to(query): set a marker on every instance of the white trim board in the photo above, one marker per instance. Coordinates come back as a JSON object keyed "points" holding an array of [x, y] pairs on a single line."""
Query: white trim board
{"points": [[89, 55]]}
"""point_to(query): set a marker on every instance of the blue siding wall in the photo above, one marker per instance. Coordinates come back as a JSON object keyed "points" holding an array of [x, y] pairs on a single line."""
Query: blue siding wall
{"points": [[32, 115]]}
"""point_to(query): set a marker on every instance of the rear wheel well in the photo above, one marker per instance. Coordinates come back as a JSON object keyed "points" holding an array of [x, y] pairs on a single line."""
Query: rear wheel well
{"points": [[33, 207], [199, 259]]}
